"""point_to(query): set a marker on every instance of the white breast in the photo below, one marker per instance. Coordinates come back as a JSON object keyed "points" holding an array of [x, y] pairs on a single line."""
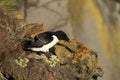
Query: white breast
{"points": [[46, 47]]}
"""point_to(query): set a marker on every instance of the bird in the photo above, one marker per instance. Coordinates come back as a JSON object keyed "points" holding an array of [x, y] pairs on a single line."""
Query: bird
{"points": [[44, 42]]}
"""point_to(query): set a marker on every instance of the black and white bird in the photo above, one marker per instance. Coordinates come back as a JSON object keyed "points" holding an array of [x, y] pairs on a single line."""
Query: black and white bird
{"points": [[45, 41]]}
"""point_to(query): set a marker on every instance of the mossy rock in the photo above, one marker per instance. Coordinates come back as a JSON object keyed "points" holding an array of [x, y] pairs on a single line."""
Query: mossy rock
{"points": [[80, 61]]}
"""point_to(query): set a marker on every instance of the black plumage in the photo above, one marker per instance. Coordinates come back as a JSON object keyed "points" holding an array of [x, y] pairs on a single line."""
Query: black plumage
{"points": [[45, 40]]}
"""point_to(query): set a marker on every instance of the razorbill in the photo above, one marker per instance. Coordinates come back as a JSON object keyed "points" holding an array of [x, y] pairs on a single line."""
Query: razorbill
{"points": [[45, 41]]}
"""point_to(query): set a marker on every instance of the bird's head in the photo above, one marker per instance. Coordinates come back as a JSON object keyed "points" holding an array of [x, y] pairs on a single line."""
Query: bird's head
{"points": [[61, 35]]}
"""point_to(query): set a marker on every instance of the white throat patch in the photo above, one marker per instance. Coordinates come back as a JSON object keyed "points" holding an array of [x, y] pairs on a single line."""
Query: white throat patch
{"points": [[46, 47]]}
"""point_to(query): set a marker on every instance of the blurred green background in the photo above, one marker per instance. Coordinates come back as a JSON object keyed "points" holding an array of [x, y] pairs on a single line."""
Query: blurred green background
{"points": [[96, 23]]}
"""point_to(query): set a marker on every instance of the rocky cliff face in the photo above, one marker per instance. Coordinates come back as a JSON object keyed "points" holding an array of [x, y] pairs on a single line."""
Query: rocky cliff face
{"points": [[94, 22], [73, 60]]}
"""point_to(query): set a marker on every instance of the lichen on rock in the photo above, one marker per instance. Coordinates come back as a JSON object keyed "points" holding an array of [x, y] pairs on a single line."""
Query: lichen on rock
{"points": [[22, 62], [52, 61], [81, 61]]}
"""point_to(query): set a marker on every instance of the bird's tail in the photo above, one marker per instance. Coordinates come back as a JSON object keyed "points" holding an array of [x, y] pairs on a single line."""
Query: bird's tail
{"points": [[26, 44]]}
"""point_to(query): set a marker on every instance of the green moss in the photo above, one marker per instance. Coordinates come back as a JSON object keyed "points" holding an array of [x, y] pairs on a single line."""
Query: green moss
{"points": [[9, 5], [22, 62], [52, 61]]}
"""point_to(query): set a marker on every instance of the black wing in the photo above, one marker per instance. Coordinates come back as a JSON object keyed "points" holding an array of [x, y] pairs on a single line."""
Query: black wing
{"points": [[39, 40], [43, 38]]}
